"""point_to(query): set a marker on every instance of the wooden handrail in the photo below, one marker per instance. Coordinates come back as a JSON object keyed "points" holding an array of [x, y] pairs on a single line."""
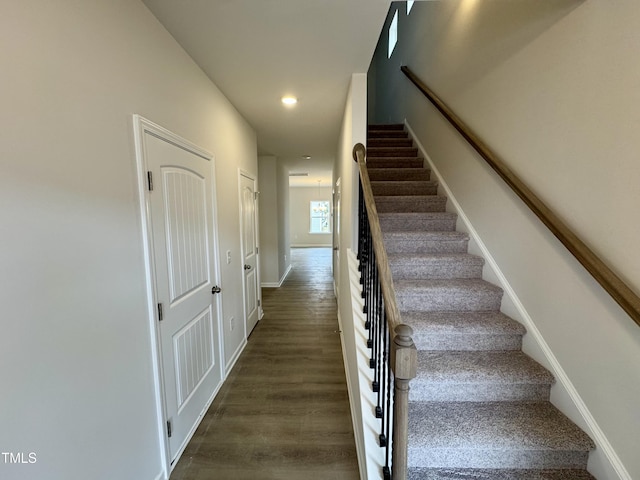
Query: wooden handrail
{"points": [[620, 291], [403, 359]]}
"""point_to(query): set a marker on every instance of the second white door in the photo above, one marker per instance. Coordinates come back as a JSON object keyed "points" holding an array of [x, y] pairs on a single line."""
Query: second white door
{"points": [[248, 225]]}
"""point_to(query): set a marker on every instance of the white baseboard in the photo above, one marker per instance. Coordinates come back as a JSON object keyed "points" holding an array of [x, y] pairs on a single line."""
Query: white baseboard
{"points": [[279, 283], [234, 358], [311, 245], [595, 431], [196, 425], [161, 476]]}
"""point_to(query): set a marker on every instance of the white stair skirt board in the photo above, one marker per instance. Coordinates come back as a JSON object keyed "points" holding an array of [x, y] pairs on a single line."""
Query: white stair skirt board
{"points": [[370, 454]]}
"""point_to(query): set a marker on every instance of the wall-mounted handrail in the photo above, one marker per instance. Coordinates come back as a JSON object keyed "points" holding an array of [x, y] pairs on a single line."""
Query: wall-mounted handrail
{"points": [[392, 346], [618, 289]]}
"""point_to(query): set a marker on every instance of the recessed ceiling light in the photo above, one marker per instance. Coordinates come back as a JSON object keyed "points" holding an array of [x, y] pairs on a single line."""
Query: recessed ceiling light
{"points": [[307, 157], [289, 100]]}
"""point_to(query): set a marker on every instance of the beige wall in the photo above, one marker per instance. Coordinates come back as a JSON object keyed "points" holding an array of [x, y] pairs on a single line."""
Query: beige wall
{"points": [[299, 216], [269, 220], [552, 87], [77, 378], [274, 221], [284, 245], [353, 130]]}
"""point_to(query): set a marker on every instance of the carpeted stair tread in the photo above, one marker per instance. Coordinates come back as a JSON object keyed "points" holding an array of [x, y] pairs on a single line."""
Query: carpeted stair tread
{"points": [[495, 474], [425, 242], [479, 376], [464, 330], [386, 134], [392, 152], [494, 435], [411, 221], [385, 126], [469, 367], [398, 174], [411, 203], [396, 162], [389, 142], [404, 187], [435, 265], [465, 294]]}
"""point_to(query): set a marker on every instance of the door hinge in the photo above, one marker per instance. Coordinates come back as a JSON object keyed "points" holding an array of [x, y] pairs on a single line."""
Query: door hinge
{"points": [[256, 250], [150, 180], [160, 315], [169, 428], [259, 301]]}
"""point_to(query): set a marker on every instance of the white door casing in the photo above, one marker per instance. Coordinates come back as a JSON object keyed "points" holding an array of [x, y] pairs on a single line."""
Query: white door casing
{"points": [[249, 250], [177, 183], [337, 199]]}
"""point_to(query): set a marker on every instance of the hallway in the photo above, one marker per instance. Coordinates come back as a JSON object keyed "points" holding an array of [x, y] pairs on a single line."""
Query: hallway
{"points": [[283, 413]]}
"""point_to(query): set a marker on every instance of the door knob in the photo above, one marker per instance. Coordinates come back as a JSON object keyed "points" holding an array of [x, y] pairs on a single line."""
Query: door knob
{"points": [[247, 267], [215, 289]]}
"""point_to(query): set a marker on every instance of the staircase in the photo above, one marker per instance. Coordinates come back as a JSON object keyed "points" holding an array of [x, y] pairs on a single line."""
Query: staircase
{"points": [[479, 407]]}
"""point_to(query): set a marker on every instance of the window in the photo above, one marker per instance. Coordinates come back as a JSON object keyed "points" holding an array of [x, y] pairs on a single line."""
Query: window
{"points": [[393, 33], [409, 5], [320, 216]]}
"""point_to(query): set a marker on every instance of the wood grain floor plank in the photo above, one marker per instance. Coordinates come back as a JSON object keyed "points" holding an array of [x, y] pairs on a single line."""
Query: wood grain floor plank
{"points": [[283, 412]]}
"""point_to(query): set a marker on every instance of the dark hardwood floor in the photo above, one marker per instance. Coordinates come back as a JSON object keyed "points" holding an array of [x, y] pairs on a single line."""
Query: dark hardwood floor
{"points": [[283, 413]]}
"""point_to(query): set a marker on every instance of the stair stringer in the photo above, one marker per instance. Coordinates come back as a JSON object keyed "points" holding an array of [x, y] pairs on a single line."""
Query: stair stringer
{"points": [[564, 395]]}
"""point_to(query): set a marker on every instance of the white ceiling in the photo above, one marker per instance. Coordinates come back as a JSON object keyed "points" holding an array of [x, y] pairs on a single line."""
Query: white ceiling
{"points": [[256, 51]]}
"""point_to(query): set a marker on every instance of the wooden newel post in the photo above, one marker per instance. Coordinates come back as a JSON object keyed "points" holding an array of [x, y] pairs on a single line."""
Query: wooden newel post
{"points": [[404, 362]]}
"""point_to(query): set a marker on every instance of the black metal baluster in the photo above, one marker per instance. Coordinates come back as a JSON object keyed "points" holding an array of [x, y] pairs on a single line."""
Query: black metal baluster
{"points": [[374, 315], [384, 438], [386, 470], [381, 320]]}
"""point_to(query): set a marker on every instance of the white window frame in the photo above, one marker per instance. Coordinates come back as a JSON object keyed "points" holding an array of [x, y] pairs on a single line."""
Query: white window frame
{"points": [[393, 34], [318, 215]]}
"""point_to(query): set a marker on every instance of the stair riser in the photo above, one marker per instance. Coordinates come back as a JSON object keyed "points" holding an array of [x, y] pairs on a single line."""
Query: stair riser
{"points": [[425, 246], [479, 458], [467, 342], [494, 435], [385, 127], [399, 162], [471, 392], [398, 174], [452, 270], [389, 142], [429, 203], [493, 474], [386, 134], [404, 188], [444, 300], [407, 223], [392, 152]]}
